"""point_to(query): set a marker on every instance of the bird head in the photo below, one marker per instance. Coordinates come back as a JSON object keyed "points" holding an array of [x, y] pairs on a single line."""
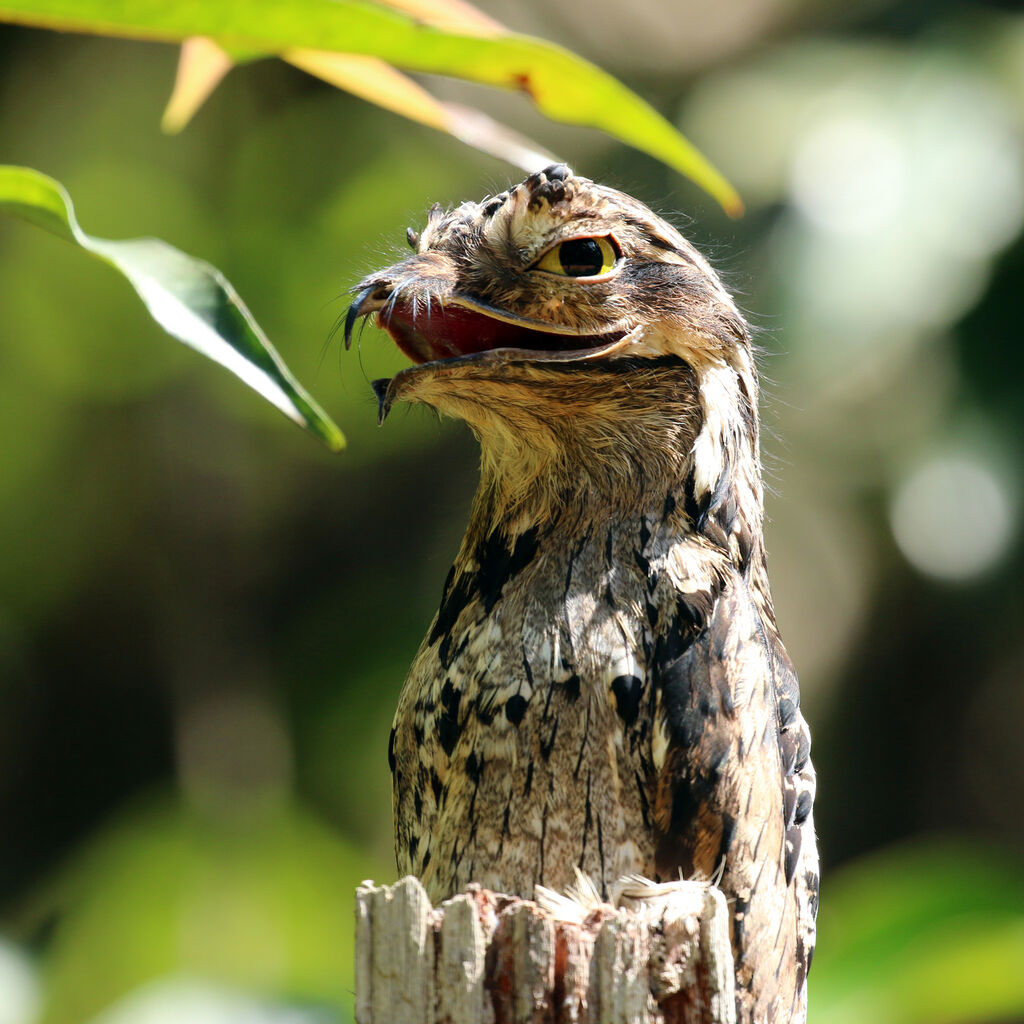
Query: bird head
{"points": [[560, 318]]}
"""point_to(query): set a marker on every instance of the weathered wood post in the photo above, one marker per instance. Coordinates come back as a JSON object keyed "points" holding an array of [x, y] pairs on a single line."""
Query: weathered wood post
{"points": [[486, 958]]}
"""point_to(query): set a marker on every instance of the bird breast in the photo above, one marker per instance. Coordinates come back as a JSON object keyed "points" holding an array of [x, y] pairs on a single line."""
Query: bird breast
{"points": [[525, 740]]}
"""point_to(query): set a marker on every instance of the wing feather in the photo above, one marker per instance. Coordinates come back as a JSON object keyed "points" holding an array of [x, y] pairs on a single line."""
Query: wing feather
{"points": [[735, 790]]}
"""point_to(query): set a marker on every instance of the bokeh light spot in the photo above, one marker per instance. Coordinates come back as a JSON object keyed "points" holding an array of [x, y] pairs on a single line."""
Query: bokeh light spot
{"points": [[849, 174], [953, 517], [178, 999]]}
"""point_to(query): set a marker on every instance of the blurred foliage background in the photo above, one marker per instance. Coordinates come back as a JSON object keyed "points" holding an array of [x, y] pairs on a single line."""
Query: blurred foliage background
{"points": [[205, 617]]}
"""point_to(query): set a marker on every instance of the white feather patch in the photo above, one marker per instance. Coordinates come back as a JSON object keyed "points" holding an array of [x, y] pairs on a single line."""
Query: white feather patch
{"points": [[659, 743], [718, 399]]}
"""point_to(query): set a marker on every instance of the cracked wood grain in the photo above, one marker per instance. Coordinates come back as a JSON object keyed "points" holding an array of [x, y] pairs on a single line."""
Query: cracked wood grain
{"points": [[487, 958]]}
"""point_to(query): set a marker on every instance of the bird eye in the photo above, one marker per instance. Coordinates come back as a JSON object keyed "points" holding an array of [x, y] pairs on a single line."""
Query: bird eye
{"points": [[580, 257]]}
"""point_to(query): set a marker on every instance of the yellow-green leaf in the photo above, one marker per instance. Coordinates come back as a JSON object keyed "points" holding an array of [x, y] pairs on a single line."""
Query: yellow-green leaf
{"points": [[380, 83], [201, 67], [561, 85]]}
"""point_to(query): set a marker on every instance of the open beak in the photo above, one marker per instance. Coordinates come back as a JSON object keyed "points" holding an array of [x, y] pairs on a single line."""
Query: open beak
{"points": [[430, 329]]}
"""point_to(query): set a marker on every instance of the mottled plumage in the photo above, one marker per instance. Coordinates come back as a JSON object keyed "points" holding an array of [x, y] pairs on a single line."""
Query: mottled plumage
{"points": [[603, 686]]}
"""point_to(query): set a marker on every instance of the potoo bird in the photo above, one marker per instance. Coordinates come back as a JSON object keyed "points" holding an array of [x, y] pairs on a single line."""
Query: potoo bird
{"points": [[603, 687]]}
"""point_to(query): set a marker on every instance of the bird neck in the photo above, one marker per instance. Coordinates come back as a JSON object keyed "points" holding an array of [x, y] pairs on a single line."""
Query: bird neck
{"points": [[621, 443]]}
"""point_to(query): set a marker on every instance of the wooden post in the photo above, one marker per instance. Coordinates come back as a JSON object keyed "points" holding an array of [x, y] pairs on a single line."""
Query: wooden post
{"points": [[662, 957]]}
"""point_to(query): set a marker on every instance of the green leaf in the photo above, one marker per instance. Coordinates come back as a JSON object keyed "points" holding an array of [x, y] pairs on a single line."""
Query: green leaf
{"points": [[927, 932], [561, 85], [258, 898], [191, 300]]}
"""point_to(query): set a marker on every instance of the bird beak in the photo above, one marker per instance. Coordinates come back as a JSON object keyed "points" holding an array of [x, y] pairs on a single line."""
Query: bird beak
{"points": [[369, 300], [417, 383], [452, 336]]}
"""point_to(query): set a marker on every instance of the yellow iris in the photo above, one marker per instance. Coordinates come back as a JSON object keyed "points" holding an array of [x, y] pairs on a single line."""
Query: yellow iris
{"points": [[580, 257]]}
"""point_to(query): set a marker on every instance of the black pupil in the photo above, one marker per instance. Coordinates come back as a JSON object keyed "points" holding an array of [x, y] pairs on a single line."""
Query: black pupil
{"points": [[581, 257]]}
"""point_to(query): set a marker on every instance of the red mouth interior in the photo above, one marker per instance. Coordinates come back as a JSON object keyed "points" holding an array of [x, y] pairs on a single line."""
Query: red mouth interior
{"points": [[446, 332]]}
